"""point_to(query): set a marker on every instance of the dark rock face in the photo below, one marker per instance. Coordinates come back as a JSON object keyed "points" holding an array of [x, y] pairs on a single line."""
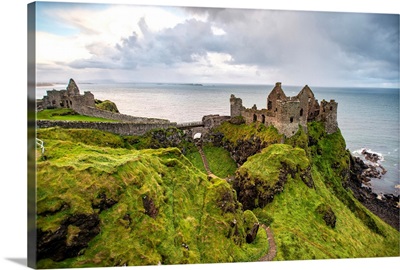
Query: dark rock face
{"points": [[67, 242], [103, 203], [249, 191], [149, 206], [327, 215], [163, 138], [244, 149], [251, 197], [227, 202], [371, 156], [252, 234], [384, 206], [241, 150]]}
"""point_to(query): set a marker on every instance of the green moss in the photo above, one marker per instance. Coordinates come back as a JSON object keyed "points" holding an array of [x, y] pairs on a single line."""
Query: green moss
{"points": [[300, 139], [267, 164], [219, 160], [234, 133], [65, 114], [106, 105], [192, 215]]}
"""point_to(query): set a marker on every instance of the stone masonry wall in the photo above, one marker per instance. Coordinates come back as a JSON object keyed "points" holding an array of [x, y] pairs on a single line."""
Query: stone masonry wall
{"points": [[91, 111], [288, 113], [117, 128]]}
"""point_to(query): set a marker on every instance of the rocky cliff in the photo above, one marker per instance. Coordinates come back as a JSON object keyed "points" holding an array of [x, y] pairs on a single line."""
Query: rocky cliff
{"points": [[110, 200]]}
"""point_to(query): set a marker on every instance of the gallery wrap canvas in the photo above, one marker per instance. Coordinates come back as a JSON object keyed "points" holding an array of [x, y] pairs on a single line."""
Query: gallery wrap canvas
{"points": [[173, 135]]}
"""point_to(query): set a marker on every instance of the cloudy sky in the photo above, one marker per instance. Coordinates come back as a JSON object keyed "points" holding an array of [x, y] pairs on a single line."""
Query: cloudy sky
{"points": [[129, 43]]}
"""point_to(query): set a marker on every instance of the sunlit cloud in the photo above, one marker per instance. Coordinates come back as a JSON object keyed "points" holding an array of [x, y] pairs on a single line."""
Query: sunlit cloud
{"points": [[217, 45]]}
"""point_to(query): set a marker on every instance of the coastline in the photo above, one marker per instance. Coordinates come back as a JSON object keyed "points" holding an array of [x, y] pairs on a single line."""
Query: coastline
{"points": [[385, 206]]}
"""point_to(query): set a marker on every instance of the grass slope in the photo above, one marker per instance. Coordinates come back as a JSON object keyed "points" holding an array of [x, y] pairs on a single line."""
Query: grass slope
{"points": [[235, 133], [295, 213], [219, 160], [67, 115], [194, 217]]}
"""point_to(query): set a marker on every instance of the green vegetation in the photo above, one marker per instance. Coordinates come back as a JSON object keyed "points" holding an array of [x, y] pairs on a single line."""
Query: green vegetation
{"points": [[219, 160], [65, 114], [235, 133], [269, 162], [324, 221], [154, 206], [106, 105]]}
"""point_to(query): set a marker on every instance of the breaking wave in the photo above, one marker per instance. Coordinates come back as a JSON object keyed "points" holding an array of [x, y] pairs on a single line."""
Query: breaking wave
{"points": [[364, 151]]}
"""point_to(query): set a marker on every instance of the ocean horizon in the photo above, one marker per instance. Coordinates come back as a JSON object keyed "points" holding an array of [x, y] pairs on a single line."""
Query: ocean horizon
{"points": [[368, 117]]}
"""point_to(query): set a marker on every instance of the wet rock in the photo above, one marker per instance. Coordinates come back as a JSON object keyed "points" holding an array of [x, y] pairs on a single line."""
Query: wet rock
{"points": [[149, 206], [327, 215], [103, 203], [69, 239], [227, 202], [373, 157], [252, 234], [385, 206]]}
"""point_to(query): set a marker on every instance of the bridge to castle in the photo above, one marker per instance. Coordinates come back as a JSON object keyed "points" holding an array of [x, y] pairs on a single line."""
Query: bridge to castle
{"points": [[189, 125]]}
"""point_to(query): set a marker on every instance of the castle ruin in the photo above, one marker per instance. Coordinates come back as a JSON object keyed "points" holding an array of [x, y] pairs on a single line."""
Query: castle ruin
{"points": [[287, 114], [85, 105], [69, 98]]}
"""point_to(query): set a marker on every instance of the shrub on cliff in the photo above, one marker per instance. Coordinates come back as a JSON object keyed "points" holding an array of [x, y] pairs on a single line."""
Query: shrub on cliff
{"points": [[106, 105]]}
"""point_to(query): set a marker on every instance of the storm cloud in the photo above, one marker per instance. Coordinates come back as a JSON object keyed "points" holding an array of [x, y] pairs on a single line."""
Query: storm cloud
{"points": [[322, 48]]}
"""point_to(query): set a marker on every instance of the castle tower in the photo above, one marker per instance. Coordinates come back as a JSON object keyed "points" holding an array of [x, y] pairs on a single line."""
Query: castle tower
{"points": [[328, 115], [275, 95], [308, 104], [236, 106]]}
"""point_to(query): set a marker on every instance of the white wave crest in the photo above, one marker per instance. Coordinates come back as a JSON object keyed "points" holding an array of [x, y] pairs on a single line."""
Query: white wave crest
{"points": [[359, 152]]}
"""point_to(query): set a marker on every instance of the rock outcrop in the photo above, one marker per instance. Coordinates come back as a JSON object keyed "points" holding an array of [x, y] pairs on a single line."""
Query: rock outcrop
{"points": [[385, 206], [69, 239]]}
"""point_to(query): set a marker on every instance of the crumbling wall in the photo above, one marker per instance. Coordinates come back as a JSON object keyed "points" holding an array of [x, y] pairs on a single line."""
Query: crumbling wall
{"points": [[236, 106], [328, 115], [288, 113], [94, 112]]}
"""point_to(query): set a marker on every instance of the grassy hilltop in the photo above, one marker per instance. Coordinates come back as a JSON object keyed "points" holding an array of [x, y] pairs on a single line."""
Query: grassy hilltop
{"points": [[108, 200]]}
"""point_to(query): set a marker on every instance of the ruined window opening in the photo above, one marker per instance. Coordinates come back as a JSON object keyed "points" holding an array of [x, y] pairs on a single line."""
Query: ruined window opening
{"points": [[53, 102], [301, 112], [269, 106], [291, 119], [331, 108], [263, 119], [254, 118]]}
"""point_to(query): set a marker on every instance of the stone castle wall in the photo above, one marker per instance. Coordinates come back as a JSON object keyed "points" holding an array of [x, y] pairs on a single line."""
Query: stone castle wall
{"points": [[85, 105], [288, 113], [117, 128], [94, 112]]}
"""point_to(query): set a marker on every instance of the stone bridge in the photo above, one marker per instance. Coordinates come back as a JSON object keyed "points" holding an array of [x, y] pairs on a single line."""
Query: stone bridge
{"points": [[189, 125]]}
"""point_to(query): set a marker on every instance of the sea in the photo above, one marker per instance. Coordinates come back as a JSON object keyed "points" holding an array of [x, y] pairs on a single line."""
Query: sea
{"points": [[368, 117]]}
